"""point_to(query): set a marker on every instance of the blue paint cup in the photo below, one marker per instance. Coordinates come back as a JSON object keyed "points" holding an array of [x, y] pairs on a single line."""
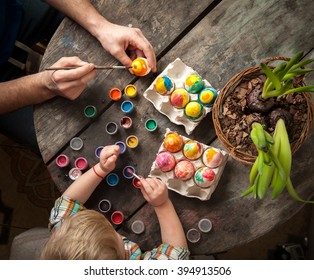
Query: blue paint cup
{"points": [[127, 174], [122, 147], [112, 179], [127, 106], [98, 151]]}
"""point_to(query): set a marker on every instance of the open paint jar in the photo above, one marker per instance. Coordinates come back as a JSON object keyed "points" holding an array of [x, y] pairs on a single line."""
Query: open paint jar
{"points": [[122, 147], [126, 122], [76, 143], [90, 111], [62, 160], [112, 179], [128, 174], [75, 173], [115, 94], [205, 225], [98, 151], [81, 163], [136, 182], [193, 235], [138, 227], [130, 91], [104, 206], [117, 217], [132, 141], [151, 125], [111, 128], [127, 107]]}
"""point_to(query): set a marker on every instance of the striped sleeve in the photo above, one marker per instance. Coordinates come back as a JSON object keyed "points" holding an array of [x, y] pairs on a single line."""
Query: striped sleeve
{"points": [[167, 252], [63, 208]]}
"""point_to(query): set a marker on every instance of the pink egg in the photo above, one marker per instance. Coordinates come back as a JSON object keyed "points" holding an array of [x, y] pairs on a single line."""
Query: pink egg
{"points": [[165, 161], [204, 177], [184, 170]]}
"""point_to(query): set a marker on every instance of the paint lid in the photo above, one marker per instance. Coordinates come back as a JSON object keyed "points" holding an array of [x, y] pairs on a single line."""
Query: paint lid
{"points": [[127, 174], [132, 141], [127, 106], [122, 147], [111, 128], [90, 111], [138, 227], [205, 225], [130, 91], [81, 163], [126, 122], [75, 173], [151, 125], [98, 151], [193, 235], [104, 206], [62, 160], [76, 143], [115, 94], [117, 217], [112, 179]]}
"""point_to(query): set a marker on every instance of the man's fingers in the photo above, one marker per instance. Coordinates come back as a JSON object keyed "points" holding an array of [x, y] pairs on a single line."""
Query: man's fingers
{"points": [[74, 74]]}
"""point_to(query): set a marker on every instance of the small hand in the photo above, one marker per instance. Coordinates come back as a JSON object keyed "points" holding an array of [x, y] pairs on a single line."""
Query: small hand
{"points": [[108, 157], [118, 40], [69, 83], [154, 191]]}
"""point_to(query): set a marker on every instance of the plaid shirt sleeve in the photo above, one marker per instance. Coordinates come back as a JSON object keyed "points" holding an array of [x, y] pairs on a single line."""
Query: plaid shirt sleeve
{"points": [[63, 208], [167, 252]]}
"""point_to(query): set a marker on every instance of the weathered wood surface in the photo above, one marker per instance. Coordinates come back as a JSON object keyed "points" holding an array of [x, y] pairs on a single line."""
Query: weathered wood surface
{"points": [[231, 37], [161, 22]]}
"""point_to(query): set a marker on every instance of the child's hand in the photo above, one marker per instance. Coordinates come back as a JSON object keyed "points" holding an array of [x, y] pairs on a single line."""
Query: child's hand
{"points": [[154, 191], [108, 157]]}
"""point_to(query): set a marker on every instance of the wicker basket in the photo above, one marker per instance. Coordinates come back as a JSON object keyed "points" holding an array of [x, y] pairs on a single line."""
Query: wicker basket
{"points": [[228, 89]]}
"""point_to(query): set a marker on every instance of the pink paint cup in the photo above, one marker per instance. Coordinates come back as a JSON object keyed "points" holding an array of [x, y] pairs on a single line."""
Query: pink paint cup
{"points": [[117, 217], [81, 163], [62, 160]]}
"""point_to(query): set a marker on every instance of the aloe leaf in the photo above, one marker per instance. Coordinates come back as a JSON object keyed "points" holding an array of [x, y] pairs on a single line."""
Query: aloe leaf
{"points": [[248, 191], [301, 64], [293, 61], [293, 193], [300, 72], [272, 77]]}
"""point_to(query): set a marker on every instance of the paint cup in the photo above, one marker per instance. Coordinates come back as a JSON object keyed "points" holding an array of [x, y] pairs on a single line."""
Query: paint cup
{"points": [[76, 143], [131, 141], [138, 227], [117, 217], [127, 174], [136, 182], [130, 91], [111, 128], [90, 111], [115, 94], [81, 163], [193, 235], [151, 125], [205, 225], [127, 106], [98, 151], [122, 147], [75, 173], [62, 160], [126, 122], [112, 179], [104, 206]]}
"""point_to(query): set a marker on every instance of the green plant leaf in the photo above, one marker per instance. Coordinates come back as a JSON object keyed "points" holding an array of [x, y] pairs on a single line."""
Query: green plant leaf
{"points": [[300, 64], [301, 89]]}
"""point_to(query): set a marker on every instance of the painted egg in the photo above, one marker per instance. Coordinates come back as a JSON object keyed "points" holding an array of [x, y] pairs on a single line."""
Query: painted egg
{"points": [[165, 161], [212, 157], [140, 66], [179, 98], [204, 177], [194, 83], [184, 170], [192, 149], [194, 111], [207, 96], [173, 142], [164, 85]]}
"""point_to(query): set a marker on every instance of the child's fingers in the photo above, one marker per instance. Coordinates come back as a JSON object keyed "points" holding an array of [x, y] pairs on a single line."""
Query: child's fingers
{"points": [[146, 186]]}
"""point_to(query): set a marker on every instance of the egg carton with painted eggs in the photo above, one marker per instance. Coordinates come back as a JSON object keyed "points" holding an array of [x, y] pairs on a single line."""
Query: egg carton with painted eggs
{"points": [[188, 167], [181, 94]]}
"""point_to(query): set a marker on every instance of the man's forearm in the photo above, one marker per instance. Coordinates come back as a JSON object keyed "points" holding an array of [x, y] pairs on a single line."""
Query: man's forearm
{"points": [[21, 92]]}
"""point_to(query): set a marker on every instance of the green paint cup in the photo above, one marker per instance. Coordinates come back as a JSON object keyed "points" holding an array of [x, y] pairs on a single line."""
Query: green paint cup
{"points": [[151, 125], [90, 111]]}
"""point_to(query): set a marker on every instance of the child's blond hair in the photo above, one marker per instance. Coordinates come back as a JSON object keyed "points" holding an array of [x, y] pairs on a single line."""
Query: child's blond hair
{"points": [[86, 235]]}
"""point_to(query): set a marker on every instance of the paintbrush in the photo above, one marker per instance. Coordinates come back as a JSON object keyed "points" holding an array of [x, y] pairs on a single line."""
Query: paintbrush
{"points": [[131, 172], [97, 67]]}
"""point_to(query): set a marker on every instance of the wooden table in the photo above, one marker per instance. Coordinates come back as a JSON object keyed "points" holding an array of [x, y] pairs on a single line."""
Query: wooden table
{"points": [[215, 38]]}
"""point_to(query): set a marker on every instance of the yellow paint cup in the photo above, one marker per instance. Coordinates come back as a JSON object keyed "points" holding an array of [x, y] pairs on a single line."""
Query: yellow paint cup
{"points": [[130, 91], [132, 141]]}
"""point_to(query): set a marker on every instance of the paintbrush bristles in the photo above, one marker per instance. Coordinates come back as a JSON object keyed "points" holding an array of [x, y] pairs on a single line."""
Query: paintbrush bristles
{"points": [[131, 172]]}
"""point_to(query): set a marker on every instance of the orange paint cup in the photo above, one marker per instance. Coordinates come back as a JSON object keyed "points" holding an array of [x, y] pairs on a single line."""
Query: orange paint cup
{"points": [[115, 94]]}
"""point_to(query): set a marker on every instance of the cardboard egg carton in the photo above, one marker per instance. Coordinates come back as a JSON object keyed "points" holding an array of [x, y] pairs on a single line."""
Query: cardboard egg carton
{"points": [[178, 72], [188, 188]]}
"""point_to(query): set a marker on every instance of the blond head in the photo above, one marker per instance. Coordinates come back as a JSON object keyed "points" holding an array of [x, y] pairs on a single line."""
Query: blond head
{"points": [[86, 235]]}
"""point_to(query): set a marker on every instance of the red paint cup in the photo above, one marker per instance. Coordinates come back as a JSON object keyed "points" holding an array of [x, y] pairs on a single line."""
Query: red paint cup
{"points": [[117, 217], [62, 160], [115, 94], [81, 163], [136, 183]]}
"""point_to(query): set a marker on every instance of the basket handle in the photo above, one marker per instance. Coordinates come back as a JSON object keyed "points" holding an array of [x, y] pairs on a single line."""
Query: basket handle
{"points": [[270, 59]]}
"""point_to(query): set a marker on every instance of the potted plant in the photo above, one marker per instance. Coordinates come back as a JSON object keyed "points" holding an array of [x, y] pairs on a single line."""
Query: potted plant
{"points": [[263, 95]]}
